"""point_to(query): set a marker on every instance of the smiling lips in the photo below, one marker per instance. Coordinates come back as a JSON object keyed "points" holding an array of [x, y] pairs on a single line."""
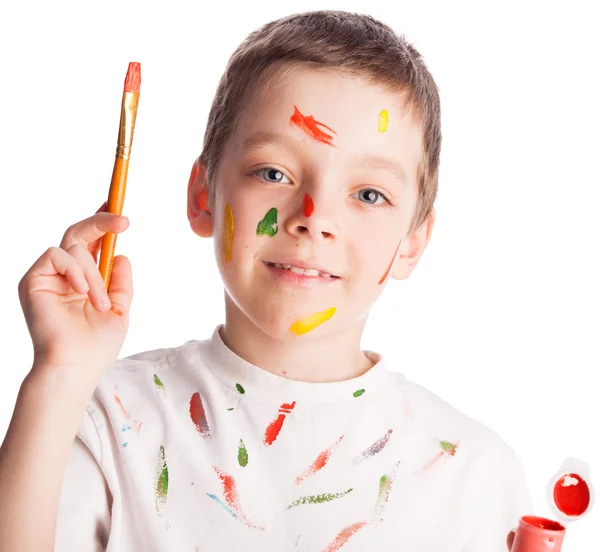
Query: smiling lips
{"points": [[303, 271]]}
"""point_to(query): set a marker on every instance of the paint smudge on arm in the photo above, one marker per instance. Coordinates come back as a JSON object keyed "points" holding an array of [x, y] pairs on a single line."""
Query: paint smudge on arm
{"points": [[198, 416], [311, 127], [308, 323], [268, 225], [228, 233], [307, 206], [383, 120], [275, 426], [319, 463]]}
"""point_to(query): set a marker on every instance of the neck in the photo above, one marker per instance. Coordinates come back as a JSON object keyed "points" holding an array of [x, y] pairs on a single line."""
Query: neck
{"points": [[336, 357]]}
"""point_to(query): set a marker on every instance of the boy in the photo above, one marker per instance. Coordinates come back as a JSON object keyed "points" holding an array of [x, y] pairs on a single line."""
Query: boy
{"points": [[278, 433]]}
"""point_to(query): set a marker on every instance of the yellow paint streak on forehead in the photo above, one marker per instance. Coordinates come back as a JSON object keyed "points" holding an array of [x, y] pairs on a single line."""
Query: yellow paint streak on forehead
{"points": [[383, 121], [228, 233], [308, 323]]}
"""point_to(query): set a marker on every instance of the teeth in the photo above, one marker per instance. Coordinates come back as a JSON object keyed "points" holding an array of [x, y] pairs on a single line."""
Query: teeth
{"points": [[302, 271]]}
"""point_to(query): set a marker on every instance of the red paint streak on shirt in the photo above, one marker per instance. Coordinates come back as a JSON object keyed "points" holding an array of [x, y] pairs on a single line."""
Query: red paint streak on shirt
{"points": [[308, 206], [319, 463], [572, 498], [344, 535], [275, 426], [198, 415], [311, 127]]}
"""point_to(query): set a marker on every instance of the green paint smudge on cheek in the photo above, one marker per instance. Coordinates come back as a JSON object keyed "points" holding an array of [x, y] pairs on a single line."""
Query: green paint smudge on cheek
{"points": [[358, 393], [268, 225]]}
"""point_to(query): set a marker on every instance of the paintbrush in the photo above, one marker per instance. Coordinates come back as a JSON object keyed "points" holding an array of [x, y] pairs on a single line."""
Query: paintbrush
{"points": [[118, 182]]}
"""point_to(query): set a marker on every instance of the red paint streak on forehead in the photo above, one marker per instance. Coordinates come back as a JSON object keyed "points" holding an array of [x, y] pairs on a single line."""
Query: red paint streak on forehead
{"points": [[572, 495], [311, 127], [308, 206]]}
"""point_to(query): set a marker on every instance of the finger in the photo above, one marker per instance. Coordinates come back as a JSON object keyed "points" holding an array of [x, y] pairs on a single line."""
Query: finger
{"points": [[91, 229], [97, 289], [54, 261], [120, 289], [509, 540], [102, 207]]}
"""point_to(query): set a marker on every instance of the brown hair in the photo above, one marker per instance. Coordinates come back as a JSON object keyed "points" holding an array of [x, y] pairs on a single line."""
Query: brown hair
{"points": [[355, 44]]}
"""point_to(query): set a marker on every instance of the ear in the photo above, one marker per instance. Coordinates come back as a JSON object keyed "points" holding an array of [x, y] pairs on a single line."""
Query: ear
{"points": [[413, 249], [198, 212]]}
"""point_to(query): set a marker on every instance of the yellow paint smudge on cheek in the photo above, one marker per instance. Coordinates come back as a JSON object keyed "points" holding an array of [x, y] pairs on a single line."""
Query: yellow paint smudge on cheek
{"points": [[308, 323], [228, 233], [383, 121]]}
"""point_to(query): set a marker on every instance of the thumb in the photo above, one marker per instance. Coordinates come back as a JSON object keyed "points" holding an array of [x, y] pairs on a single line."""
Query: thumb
{"points": [[509, 540], [120, 290]]}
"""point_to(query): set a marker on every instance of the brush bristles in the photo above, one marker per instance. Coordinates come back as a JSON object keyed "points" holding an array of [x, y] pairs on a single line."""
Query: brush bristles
{"points": [[133, 78]]}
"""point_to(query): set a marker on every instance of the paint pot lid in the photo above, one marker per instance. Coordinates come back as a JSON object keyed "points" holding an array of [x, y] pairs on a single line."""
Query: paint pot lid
{"points": [[570, 493]]}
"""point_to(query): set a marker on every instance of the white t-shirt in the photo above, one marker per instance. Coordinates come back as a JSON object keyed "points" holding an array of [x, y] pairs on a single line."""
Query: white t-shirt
{"points": [[193, 449]]}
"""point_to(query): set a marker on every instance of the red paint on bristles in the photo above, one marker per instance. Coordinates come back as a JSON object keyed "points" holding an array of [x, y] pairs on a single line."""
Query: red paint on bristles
{"points": [[133, 78]]}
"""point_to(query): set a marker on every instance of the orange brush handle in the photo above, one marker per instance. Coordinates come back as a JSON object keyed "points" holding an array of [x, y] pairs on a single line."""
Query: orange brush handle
{"points": [[116, 199]]}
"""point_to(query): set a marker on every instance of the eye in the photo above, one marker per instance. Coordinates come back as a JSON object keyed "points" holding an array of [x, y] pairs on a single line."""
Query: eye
{"points": [[270, 174], [371, 195]]}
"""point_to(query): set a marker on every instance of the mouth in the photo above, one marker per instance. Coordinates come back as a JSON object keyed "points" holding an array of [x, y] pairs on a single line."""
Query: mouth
{"points": [[310, 272]]}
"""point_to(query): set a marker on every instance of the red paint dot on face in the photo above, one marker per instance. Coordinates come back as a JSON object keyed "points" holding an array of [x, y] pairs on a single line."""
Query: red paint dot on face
{"points": [[543, 523], [572, 495], [308, 206]]}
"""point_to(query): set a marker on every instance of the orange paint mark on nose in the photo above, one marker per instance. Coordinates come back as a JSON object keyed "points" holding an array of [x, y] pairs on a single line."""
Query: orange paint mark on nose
{"points": [[311, 127], [308, 206]]}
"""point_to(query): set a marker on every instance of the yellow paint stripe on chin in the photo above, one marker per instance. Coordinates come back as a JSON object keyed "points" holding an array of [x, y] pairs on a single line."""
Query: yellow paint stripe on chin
{"points": [[228, 233], [308, 323]]}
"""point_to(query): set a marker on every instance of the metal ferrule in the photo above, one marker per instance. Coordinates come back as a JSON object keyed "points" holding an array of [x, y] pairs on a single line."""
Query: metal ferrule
{"points": [[129, 107]]}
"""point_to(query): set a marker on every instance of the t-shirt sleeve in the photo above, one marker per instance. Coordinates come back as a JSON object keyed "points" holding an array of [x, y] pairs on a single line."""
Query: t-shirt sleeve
{"points": [[83, 521], [504, 498]]}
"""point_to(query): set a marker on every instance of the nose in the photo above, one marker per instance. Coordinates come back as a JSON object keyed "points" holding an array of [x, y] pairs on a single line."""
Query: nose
{"points": [[318, 223]]}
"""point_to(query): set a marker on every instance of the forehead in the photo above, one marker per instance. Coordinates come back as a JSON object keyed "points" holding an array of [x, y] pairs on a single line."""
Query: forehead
{"points": [[349, 105]]}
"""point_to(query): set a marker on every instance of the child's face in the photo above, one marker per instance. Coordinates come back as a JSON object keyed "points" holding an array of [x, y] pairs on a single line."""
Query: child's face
{"points": [[314, 139]]}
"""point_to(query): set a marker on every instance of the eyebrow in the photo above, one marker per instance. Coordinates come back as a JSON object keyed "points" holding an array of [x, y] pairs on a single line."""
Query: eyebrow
{"points": [[367, 160]]}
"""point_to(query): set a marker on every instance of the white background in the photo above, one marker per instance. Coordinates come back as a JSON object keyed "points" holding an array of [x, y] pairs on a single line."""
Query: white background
{"points": [[500, 318]]}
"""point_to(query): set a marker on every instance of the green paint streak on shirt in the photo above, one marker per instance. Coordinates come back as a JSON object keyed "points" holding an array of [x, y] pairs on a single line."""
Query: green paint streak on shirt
{"points": [[358, 393], [158, 383], [447, 446], [242, 454], [268, 225], [318, 499], [162, 483], [239, 388]]}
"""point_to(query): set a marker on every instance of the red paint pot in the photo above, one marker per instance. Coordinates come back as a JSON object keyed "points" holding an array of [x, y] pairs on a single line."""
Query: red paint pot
{"points": [[537, 534], [570, 496]]}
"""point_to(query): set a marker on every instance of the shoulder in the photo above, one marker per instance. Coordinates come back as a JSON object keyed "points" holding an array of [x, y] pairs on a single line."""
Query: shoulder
{"points": [[438, 417]]}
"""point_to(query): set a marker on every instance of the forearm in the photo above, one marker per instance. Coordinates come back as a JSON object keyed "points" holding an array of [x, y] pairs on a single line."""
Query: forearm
{"points": [[34, 455]]}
